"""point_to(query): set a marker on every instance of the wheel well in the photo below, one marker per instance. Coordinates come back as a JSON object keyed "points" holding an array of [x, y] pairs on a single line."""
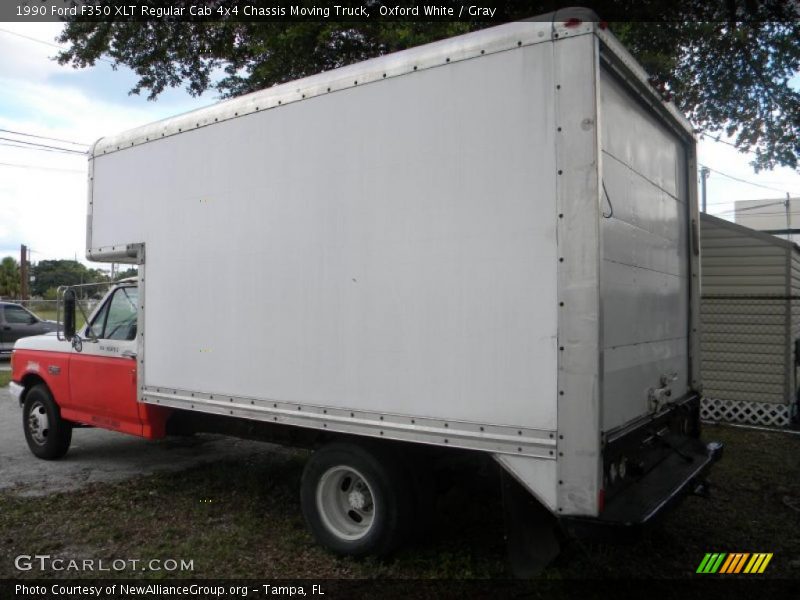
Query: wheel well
{"points": [[28, 381]]}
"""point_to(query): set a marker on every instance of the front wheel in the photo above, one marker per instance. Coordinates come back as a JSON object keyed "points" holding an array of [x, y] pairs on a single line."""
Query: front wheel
{"points": [[47, 434], [356, 501]]}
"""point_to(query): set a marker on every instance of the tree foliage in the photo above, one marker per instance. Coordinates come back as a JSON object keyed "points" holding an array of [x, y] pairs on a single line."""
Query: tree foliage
{"points": [[129, 272], [729, 77], [728, 71], [9, 278], [49, 274]]}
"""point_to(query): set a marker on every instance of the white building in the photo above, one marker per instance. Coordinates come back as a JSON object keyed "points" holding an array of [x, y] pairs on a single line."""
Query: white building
{"points": [[771, 215]]}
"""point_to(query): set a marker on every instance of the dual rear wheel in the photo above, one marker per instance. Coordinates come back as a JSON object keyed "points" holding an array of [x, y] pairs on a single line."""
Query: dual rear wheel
{"points": [[367, 499], [357, 500]]}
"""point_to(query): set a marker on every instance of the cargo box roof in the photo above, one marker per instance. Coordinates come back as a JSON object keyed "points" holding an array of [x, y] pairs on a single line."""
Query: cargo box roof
{"points": [[472, 45]]}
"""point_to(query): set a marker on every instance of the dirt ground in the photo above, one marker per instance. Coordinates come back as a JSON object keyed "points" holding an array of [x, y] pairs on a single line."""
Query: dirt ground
{"points": [[99, 456], [237, 515]]}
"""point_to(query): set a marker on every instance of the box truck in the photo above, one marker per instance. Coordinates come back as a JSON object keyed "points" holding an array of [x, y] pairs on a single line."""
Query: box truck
{"points": [[486, 244]]}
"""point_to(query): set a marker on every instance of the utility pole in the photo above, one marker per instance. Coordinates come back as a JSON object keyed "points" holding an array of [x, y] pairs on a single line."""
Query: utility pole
{"points": [[787, 204], [704, 173], [23, 272]]}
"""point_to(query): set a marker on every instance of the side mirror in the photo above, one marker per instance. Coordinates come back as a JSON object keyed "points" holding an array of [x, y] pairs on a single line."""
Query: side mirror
{"points": [[69, 314]]}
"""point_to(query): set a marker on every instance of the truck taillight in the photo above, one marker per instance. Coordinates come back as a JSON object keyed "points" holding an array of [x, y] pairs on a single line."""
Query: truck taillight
{"points": [[601, 500], [573, 22]]}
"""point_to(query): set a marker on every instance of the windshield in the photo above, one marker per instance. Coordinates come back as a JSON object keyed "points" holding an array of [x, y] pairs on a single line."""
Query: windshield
{"points": [[117, 319]]}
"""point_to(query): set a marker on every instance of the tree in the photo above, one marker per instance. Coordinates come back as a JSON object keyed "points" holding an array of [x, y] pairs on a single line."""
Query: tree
{"points": [[729, 77], [129, 272], [9, 278], [727, 65], [53, 273]]}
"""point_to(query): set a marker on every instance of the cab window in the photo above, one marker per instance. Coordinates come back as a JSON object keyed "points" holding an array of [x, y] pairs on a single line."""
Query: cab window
{"points": [[117, 319]]}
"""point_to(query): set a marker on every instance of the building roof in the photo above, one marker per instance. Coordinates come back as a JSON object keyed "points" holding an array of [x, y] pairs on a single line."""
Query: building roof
{"points": [[742, 230]]}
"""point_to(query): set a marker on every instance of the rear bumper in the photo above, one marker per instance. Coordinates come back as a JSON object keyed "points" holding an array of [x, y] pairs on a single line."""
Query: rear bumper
{"points": [[645, 500]]}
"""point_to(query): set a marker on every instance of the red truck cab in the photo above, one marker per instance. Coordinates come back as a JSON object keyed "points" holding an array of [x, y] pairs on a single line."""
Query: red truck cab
{"points": [[90, 381]]}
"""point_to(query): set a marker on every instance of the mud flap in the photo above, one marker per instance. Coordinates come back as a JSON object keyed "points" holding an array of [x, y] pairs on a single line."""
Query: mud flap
{"points": [[532, 535]]}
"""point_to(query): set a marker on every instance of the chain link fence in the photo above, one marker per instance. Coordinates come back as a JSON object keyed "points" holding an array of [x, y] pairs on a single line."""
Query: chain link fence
{"points": [[48, 309]]}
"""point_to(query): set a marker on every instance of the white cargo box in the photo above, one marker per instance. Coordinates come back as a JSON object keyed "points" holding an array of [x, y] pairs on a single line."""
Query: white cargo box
{"points": [[487, 242]]}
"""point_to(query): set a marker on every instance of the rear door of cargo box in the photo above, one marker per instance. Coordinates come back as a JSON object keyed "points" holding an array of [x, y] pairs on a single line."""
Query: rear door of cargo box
{"points": [[645, 265]]}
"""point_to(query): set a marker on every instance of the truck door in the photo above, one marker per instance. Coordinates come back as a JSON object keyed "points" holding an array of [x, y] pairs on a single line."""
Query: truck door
{"points": [[645, 269], [103, 374]]}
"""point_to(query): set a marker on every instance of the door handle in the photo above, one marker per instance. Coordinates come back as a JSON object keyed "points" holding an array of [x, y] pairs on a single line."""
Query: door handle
{"points": [[129, 354], [6, 328]]}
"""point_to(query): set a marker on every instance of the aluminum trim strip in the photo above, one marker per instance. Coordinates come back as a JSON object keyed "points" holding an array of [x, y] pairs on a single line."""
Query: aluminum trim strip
{"points": [[124, 253], [500, 439]]}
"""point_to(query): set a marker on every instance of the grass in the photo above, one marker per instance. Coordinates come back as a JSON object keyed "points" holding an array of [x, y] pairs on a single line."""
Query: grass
{"points": [[242, 519], [5, 377], [46, 313], [49, 314]]}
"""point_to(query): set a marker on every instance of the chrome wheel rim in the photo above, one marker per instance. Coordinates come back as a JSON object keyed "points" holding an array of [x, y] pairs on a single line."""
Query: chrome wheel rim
{"points": [[38, 423], [345, 503]]}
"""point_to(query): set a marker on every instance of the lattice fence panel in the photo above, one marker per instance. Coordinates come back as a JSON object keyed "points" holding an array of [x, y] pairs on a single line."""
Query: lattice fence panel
{"points": [[742, 411]]}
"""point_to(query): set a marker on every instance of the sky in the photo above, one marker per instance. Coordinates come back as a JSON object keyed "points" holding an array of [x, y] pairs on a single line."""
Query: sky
{"points": [[43, 194]]}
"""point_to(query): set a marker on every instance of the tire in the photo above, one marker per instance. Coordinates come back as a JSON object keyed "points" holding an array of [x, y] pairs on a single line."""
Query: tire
{"points": [[47, 434], [356, 500]]}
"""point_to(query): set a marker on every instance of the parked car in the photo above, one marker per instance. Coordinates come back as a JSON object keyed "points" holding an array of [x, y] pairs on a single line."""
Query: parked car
{"points": [[16, 322]]}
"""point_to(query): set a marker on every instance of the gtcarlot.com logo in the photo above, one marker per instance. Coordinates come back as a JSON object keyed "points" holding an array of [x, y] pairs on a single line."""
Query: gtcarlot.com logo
{"points": [[734, 563], [45, 562]]}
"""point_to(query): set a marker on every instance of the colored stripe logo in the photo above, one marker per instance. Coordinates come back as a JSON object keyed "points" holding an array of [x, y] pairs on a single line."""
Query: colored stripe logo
{"points": [[734, 563]]}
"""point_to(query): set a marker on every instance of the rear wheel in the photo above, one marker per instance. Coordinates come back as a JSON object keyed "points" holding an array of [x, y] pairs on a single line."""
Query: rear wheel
{"points": [[356, 500], [47, 434]]}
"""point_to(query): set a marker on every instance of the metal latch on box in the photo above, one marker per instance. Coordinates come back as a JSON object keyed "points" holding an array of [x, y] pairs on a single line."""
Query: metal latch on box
{"points": [[660, 396]]}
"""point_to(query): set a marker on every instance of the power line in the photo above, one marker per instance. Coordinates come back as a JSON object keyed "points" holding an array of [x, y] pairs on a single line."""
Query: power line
{"points": [[705, 134], [765, 214], [740, 180], [754, 207], [35, 144], [52, 45], [31, 39], [756, 215], [717, 202], [35, 149], [757, 206], [44, 137], [21, 166]]}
